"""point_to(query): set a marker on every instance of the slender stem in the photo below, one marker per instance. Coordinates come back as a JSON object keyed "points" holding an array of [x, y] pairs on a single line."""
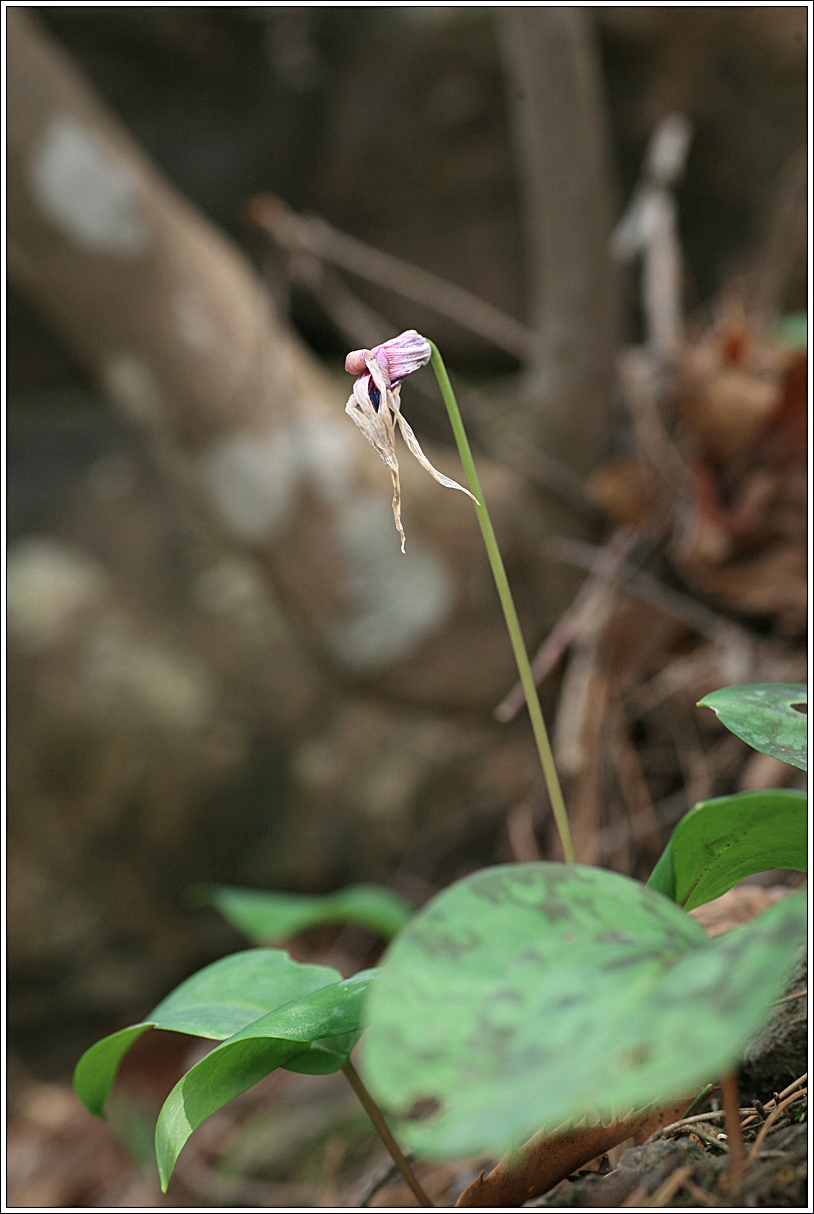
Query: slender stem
{"points": [[383, 1130], [702, 1095], [509, 612], [732, 1125]]}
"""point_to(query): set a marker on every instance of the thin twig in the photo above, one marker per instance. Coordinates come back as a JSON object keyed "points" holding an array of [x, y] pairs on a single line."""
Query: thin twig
{"points": [[534, 463], [572, 619], [357, 322], [363, 326], [801, 1082], [310, 234], [311, 243], [383, 1130], [650, 590], [790, 998], [698, 1119], [669, 1187], [734, 1132], [764, 1129], [649, 228], [716, 1141]]}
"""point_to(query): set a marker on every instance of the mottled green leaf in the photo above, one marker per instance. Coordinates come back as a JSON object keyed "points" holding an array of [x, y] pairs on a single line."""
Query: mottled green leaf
{"points": [[763, 714], [313, 1035], [216, 1002], [528, 996], [719, 842], [268, 917]]}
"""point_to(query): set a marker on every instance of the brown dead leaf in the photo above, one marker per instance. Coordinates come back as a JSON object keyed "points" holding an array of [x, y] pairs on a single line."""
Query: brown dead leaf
{"points": [[546, 1159], [727, 412], [731, 382], [737, 906], [625, 488]]}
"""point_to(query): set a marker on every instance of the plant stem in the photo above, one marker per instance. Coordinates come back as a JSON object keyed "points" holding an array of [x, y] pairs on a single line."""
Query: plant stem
{"points": [[383, 1130], [700, 1098], [732, 1125], [509, 611]]}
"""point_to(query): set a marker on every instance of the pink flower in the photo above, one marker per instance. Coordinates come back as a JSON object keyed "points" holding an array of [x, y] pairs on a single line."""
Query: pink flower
{"points": [[375, 405], [398, 357]]}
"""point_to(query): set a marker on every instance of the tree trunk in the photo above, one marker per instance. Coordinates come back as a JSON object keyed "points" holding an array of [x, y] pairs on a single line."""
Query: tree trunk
{"points": [[563, 163], [178, 327]]}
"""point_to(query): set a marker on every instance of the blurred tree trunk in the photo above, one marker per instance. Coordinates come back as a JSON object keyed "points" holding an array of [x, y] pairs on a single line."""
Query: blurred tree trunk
{"points": [[555, 89], [177, 325]]}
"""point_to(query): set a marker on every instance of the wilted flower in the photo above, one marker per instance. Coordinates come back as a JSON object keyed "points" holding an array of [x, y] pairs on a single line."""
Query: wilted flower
{"points": [[375, 406]]}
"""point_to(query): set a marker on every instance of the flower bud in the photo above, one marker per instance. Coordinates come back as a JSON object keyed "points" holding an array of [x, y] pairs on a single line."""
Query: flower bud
{"points": [[398, 357], [375, 407]]}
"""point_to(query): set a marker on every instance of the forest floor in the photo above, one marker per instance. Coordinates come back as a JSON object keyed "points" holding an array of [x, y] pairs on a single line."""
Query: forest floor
{"points": [[296, 1141]]}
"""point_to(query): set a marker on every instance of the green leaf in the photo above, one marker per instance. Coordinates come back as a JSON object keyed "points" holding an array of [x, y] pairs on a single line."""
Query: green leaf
{"points": [[267, 917], [313, 1035], [216, 1002], [96, 1070], [532, 995], [792, 331], [719, 842], [763, 715]]}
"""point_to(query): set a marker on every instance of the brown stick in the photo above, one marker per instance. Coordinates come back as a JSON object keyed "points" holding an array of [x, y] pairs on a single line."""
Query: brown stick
{"points": [[297, 233], [764, 1129], [734, 1132], [700, 1119], [650, 590], [667, 1189], [801, 1082]]}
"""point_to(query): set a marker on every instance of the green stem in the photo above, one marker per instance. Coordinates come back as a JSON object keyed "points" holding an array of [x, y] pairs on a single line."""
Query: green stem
{"points": [[509, 611], [700, 1098], [383, 1130]]}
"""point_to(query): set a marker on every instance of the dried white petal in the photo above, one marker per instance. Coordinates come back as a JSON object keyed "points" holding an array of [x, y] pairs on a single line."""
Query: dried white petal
{"points": [[376, 425], [377, 420], [412, 442]]}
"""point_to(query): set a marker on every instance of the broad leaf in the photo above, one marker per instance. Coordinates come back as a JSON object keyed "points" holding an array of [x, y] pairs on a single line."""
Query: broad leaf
{"points": [[528, 996], [719, 842], [268, 917], [763, 714], [216, 1002], [313, 1035]]}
